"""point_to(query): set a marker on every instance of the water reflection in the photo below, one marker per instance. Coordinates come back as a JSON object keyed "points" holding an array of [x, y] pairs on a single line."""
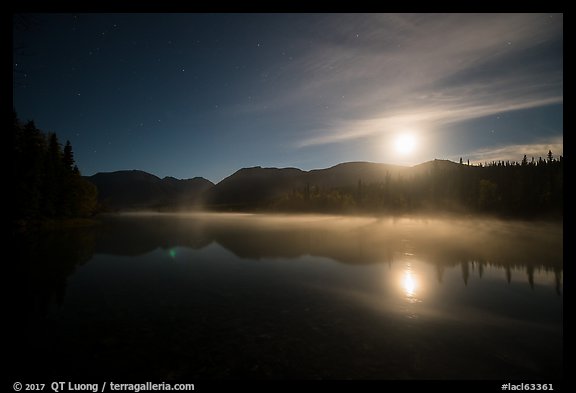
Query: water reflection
{"points": [[240, 296], [530, 252], [47, 260], [532, 246], [409, 284]]}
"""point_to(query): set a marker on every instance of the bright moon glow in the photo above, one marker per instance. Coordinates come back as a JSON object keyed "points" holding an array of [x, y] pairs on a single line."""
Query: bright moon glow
{"points": [[409, 284], [405, 143]]}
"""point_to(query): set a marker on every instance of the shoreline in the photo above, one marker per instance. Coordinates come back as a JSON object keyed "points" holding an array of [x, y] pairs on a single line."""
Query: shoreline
{"points": [[21, 226]]}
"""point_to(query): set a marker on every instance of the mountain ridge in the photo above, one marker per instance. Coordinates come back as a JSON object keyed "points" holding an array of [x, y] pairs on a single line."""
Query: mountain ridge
{"points": [[339, 165], [137, 189], [501, 188], [248, 186]]}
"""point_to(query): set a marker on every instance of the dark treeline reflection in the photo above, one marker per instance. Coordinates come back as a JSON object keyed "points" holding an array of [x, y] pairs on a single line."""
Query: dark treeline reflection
{"points": [[200, 316], [48, 258], [473, 245], [443, 242]]}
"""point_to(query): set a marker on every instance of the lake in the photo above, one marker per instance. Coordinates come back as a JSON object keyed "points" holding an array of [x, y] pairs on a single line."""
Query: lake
{"points": [[233, 296]]}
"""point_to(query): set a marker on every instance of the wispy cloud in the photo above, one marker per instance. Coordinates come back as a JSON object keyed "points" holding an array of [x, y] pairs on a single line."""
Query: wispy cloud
{"points": [[516, 152], [426, 71], [426, 116]]}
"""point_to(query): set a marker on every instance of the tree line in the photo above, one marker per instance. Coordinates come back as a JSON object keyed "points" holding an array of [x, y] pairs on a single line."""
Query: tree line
{"points": [[46, 182], [510, 189], [48, 185]]}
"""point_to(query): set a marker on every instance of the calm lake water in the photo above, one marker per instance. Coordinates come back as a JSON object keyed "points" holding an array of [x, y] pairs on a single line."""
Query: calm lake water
{"points": [[225, 296]]}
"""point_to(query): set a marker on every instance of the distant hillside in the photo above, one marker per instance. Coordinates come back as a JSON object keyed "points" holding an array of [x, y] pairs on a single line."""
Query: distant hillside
{"points": [[140, 190], [527, 189], [253, 187], [247, 188], [257, 187], [350, 173]]}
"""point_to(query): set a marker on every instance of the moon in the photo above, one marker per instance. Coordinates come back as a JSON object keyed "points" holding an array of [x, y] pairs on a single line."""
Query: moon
{"points": [[405, 144]]}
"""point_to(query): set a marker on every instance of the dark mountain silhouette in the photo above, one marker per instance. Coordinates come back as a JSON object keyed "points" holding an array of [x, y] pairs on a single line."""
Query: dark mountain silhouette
{"points": [[428, 166], [349, 173], [247, 188], [253, 187], [503, 188], [343, 187], [257, 187], [140, 190]]}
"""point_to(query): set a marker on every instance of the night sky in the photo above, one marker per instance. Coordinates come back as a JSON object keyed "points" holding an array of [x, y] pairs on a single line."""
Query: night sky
{"points": [[188, 95]]}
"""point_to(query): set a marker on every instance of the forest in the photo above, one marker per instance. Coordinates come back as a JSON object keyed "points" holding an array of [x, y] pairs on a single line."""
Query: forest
{"points": [[526, 189], [46, 183]]}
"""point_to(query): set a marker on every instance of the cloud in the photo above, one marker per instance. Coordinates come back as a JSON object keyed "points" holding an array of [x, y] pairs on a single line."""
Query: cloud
{"points": [[380, 72], [516, 152], [424, 117]]}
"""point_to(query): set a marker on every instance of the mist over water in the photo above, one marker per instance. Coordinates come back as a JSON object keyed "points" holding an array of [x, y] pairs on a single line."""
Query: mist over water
{"points": [[212, 295]]}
